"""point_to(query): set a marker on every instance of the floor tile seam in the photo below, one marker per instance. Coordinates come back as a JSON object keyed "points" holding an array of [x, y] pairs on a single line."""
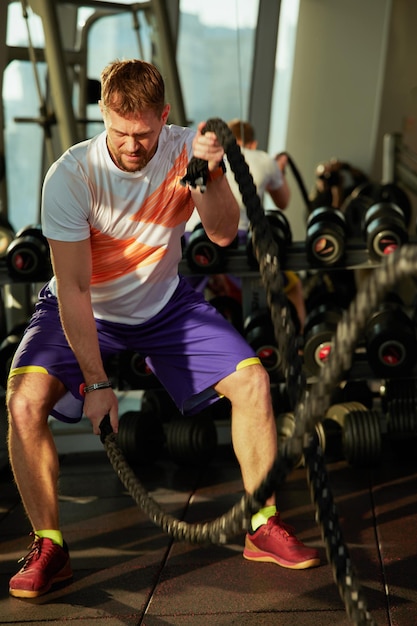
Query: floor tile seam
{"points": [[164, 560], [244, 612], [378, 538]]}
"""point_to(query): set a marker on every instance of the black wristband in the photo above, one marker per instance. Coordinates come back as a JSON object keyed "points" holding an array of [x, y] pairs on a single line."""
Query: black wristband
{"points": [[103, 385]]}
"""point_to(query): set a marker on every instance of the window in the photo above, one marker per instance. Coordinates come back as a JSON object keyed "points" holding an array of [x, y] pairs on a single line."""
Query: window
{"points": [[214, 56]]}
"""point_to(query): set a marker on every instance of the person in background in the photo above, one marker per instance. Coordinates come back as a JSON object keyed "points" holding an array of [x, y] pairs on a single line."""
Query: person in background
{"points": [[114, 212], [268, 175]]}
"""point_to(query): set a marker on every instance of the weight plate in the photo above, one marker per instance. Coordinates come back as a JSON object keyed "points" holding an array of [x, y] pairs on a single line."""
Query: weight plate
{"points": [[354, 210], [325, 237], [202, 254], [280, 226], [28, 254], [326, 215], [381, 242], [26, 258], [391, 343], [362, 443], [384, 228], [140, 437], [263, 342], [191, 441], [337, 412], [390, 193], [386, 211], [317, 348], [325, 246], [327, 315]]}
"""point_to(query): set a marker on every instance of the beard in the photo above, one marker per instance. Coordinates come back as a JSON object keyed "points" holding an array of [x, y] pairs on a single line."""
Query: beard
{"points": [[127, 161], [131, 162]]}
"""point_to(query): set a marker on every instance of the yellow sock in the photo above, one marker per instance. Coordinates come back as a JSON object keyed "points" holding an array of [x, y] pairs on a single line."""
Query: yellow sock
{"points": [[54, 535], [262, 516]]}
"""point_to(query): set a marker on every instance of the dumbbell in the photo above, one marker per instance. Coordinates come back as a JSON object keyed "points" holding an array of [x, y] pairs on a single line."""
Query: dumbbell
{"points": [[400, 404], [359, 430], [28, 254], [390, 339], [285, 424], [203, 255], [325, 237], [354, 209], [389, 192], [319, 329], [281, 233], [259, 333], [192, 441], [385, 229], [141, 437]]}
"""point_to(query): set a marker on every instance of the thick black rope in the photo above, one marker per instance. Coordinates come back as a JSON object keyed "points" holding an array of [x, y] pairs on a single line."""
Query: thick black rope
{"points": [[312, 403], [216, 531], [267, 254]]}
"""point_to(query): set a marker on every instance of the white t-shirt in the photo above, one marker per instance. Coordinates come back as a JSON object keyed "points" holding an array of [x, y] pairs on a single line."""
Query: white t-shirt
{"points": [[265, 173], [134, 220]]}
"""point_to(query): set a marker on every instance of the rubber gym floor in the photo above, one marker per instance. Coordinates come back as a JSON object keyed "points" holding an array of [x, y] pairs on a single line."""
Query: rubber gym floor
{"points": [[127, 571]]}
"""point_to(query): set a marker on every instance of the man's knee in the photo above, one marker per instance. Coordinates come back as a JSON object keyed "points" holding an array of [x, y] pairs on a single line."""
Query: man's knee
{"points": [[255, 376], [248, 384], [30, 397]]}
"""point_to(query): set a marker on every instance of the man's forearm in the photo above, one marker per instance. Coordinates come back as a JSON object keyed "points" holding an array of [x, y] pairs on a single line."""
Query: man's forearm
{"points": [[218, 210], [80, 329]]}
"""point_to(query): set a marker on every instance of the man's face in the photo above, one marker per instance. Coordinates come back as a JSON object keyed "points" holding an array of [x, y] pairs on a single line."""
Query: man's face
{"points": [[132, 141]]}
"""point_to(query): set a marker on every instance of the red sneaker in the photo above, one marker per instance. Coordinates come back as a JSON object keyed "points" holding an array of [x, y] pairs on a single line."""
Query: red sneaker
{"points": [[275, 542], [45, 564]]}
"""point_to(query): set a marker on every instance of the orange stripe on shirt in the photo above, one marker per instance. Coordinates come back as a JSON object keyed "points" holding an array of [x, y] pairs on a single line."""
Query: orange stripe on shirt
{"points": [[171, 203], [113, 258]]}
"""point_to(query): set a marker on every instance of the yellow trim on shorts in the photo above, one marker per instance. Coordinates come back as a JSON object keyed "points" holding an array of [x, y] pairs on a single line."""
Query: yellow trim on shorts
{"points": [[28, 369], [253, 360], [292, 280]]}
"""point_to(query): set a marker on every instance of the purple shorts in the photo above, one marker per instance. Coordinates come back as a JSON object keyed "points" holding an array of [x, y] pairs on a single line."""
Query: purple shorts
{"points": [[188, 345]]}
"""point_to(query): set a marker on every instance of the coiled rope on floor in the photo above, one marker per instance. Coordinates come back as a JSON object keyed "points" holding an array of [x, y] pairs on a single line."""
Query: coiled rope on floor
{"points": [[311, 403]]}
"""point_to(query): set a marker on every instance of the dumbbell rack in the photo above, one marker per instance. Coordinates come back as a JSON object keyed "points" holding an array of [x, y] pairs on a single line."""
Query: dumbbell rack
{"points": [[356, 257], [236, 263], [253, 297]]}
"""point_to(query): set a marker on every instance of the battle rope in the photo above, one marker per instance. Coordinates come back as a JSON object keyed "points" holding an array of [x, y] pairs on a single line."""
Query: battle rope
{"points": [[267, 254], [311, 405], [215, 532]]}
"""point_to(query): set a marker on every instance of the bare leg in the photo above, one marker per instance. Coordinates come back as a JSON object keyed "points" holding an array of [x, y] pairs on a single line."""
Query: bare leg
{"points": [[32, 450], [254, 433]]}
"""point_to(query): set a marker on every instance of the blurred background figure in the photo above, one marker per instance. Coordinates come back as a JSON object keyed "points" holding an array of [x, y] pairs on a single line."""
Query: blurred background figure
{"points": [[268, 173]]}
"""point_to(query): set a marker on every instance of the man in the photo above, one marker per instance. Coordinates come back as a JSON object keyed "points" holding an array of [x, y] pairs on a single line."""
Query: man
{"points": [[114, 211]]}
